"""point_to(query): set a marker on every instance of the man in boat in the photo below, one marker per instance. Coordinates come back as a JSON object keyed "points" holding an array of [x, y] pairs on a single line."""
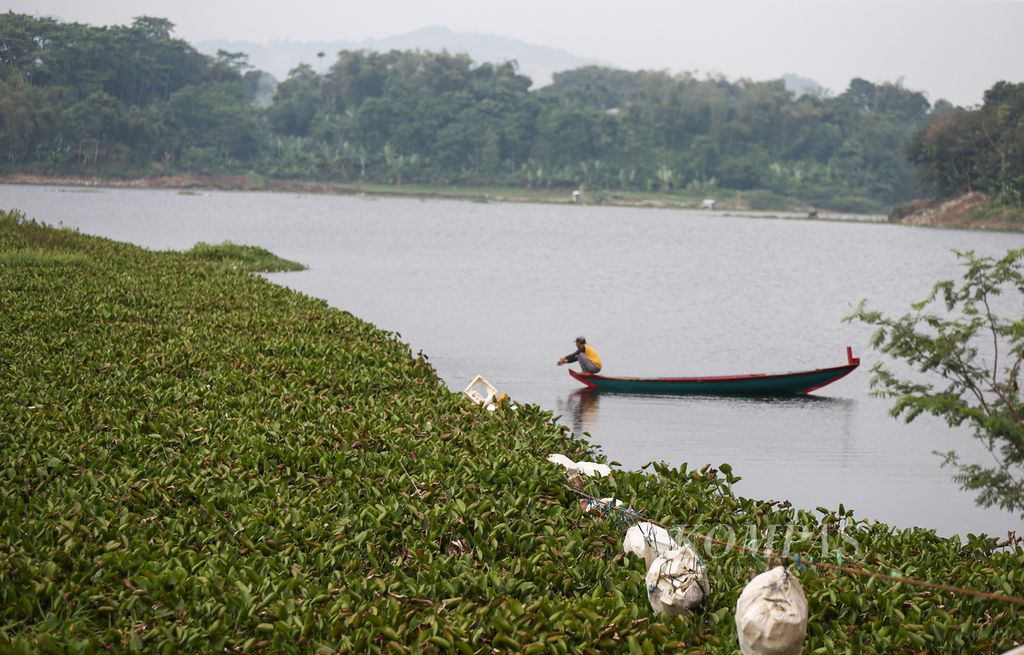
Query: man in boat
{"points": [[584, 354]]}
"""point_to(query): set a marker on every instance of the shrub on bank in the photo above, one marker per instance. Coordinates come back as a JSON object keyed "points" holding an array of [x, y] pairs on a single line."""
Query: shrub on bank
{"points": [[252, 259]]}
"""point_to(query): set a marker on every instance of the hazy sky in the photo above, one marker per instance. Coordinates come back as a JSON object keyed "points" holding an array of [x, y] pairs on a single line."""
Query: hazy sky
{"points": [[952, 50]]}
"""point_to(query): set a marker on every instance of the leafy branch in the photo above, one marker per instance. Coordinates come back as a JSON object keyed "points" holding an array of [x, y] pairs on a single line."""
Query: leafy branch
{"points": [[969, 358]]}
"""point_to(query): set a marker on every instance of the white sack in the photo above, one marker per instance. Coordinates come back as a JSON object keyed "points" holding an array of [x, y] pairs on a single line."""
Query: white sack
{"points": [[677, 582], [771, 615]]}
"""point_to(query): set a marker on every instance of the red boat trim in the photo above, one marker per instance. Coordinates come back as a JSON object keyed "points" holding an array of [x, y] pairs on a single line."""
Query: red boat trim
{"points": [[852, 363], [582, 377]]}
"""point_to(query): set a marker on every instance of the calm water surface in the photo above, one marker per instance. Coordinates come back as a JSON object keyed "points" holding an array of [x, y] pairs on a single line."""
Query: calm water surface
{"points": [[502, 289]]}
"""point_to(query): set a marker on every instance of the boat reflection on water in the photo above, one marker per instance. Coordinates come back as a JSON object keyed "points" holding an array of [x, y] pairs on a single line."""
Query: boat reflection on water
{"points": [[580, 407]]}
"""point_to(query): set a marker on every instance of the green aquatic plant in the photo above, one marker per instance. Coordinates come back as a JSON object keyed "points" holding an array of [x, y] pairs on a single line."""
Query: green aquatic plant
{"points": [[40, 257], [193, 459], [247, 258]]}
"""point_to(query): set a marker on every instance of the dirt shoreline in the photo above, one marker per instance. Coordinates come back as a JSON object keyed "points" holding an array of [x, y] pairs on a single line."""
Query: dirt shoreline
{"points": [[974, 211], [244, 183], [215, 182]]}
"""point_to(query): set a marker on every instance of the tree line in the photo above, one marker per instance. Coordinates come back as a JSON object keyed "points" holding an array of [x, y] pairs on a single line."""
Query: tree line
{"points": [[132, 100]]}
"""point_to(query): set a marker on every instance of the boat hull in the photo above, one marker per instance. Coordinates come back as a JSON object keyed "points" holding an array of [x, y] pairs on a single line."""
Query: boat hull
{"points": [[797, 383]]}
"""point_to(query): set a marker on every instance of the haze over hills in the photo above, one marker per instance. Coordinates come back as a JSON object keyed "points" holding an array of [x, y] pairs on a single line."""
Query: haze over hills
{"points": [[537, 62], [803, 86]]}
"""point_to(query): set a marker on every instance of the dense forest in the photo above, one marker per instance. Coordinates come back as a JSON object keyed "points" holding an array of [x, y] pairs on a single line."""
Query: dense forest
{"points": [[980, 150], [133, 100]]}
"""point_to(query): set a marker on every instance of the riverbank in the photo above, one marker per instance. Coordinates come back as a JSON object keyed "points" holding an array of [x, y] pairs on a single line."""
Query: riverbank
{"points": [[724, 200], [975, 211], [196, 459]]}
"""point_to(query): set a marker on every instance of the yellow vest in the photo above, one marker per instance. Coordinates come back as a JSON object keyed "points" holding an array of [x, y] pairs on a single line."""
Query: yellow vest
{"points": [[591, 354]]}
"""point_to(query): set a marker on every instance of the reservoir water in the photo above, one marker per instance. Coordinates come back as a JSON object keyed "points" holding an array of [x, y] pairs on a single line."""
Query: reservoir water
{"points": [[501, 290]]}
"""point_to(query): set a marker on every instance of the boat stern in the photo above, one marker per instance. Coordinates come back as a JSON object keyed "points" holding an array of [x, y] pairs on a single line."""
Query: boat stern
{"points": [[583, 377]]}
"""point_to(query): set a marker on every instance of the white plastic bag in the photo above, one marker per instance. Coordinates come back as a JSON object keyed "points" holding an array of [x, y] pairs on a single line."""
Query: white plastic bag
{"points": [[589, 469], [559, 458], [677, 582], [648, 541], [771, 615], [601, 506]]}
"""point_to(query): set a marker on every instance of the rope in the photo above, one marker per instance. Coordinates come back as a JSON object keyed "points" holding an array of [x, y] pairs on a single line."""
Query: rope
{"points": [[803, 563]]}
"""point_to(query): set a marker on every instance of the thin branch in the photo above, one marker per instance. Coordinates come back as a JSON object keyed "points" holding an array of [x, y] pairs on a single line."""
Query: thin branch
{"points": [[995, 338]]}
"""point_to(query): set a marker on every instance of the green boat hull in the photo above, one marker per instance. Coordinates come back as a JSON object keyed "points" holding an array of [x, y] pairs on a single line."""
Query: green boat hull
{"points": [[797, 383]]}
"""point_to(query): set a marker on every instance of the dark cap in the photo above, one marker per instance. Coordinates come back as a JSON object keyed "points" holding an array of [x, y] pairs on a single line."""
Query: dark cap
{"points": [[581, 339]]}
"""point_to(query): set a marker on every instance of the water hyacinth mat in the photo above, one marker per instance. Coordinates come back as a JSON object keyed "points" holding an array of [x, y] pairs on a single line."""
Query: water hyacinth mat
{"points": [[193, 459]]}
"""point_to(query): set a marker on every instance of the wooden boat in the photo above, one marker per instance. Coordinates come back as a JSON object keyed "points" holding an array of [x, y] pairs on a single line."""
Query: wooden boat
{"points": [[797, 383]]}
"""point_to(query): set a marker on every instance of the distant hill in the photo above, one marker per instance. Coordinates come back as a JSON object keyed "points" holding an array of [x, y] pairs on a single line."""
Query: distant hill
{"points": [[803, 86], [536, 62]]}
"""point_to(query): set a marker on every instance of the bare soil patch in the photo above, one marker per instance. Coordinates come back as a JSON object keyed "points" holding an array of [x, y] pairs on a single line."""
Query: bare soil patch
{"points": [[972, 210]]}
